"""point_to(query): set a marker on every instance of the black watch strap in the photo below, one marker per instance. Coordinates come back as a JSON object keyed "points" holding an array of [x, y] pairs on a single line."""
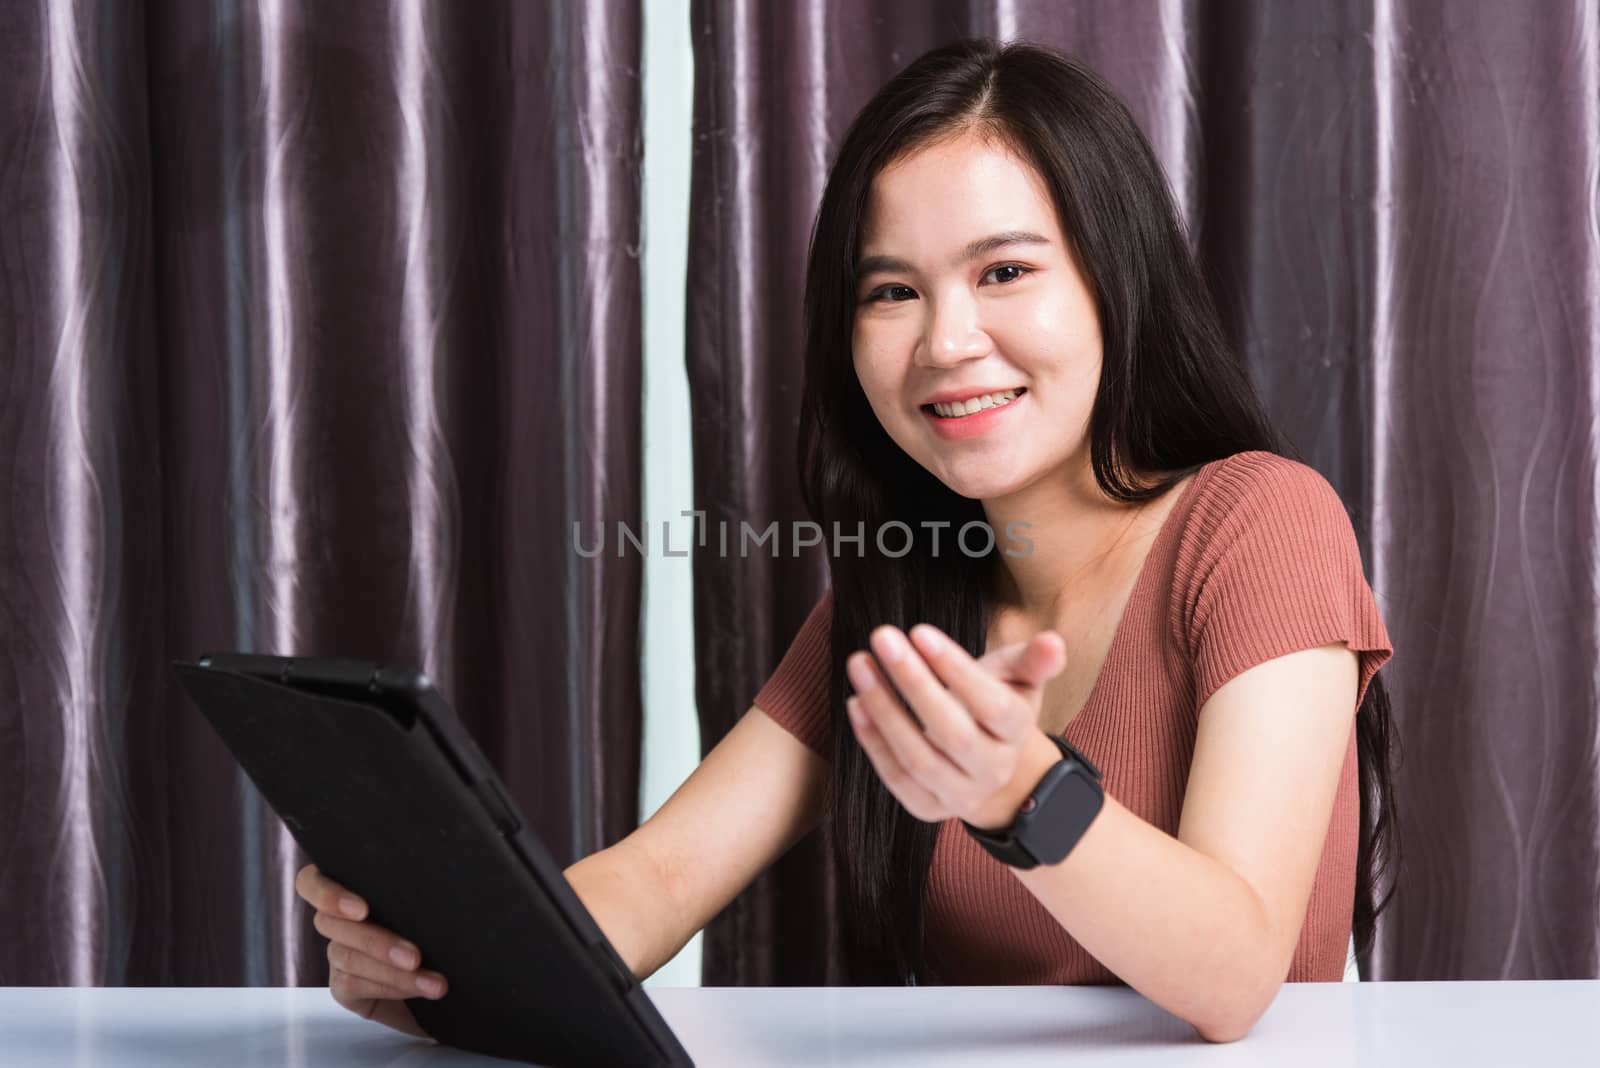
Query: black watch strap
{"points": [[1054, 815]]}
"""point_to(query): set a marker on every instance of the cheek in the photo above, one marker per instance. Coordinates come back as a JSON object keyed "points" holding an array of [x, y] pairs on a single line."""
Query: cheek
{"points": [[1057, 343], [875, 367], [1068, 319]]}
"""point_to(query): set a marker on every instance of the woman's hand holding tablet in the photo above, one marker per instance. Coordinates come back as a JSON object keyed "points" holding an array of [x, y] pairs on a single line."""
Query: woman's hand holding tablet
{"points": [[371, 971]]}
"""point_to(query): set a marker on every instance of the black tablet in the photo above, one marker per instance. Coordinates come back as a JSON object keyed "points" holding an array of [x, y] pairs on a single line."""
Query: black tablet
{"points": [[388, 795]]}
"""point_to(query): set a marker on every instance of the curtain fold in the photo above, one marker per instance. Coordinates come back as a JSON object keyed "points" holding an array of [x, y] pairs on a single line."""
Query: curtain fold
{"points": [[81, 596], [322, 334], [1394, 203]]}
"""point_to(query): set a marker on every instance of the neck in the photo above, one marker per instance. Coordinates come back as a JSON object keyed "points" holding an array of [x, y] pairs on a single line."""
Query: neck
{"points": [[1075, 529]]}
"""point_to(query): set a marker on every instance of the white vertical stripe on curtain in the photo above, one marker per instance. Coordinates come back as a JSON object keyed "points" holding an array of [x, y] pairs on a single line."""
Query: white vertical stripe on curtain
{"points": [[1589, 59], [285, 493], [671, 743], [74, 504]]}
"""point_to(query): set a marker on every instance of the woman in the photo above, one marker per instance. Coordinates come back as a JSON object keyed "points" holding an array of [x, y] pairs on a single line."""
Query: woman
{"points": [[1005, 327]]}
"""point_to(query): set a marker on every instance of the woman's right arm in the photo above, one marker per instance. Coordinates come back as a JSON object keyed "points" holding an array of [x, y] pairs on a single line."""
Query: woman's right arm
{"points": [[754, 795]]}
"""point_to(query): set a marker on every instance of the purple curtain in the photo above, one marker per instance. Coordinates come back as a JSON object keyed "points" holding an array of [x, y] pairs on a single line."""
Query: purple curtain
{"points": [[1486, 424], [321, 331], [1395, 203], [320, 327]]}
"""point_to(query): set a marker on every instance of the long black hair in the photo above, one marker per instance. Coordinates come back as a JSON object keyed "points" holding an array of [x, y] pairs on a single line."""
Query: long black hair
{"points": [[1173, 396]]}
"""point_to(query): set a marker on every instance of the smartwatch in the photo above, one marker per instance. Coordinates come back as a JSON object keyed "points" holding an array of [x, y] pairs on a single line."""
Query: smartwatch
{"points": [[1053, 817]]}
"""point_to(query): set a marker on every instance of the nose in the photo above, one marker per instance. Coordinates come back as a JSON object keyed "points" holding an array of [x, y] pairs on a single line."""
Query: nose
{"points": [[953, 335]]}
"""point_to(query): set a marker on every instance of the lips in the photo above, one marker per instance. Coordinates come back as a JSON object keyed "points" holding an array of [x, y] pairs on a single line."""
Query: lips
{"points": [[977, 424], [951, 396], [966, 406]]}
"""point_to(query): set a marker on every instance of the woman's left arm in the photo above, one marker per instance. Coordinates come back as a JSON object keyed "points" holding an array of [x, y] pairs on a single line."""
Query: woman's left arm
{"points": [[1205, 924]]}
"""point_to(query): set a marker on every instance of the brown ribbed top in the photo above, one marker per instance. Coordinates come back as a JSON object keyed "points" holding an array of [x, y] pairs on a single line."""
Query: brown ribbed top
{"points": [[1255, 561]]}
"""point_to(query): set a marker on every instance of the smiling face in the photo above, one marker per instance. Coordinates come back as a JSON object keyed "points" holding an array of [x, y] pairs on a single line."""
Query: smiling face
{"points": [[968, 292]]}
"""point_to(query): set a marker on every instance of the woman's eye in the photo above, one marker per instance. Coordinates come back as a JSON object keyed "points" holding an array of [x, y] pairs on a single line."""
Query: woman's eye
{"points": [[884, 294], [1020, 271]]}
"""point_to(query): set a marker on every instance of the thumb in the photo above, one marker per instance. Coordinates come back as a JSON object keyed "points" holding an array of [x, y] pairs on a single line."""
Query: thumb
{"points": [[1029, 663]]}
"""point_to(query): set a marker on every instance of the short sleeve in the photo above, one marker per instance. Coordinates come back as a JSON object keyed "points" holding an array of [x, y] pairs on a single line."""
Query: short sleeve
{"points": [[1270, 566], [796, 696]]}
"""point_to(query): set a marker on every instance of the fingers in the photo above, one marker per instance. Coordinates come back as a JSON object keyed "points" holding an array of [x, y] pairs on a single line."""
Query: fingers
{"points": [[364, 939], [1030, 663], [357, 993], [917, 799], [373, 1000], [945, 730], [325, 895], [371, 971], [925, 751], [396, 982], [992, 701], [368, 938], [943, 719], [369, 1001]]}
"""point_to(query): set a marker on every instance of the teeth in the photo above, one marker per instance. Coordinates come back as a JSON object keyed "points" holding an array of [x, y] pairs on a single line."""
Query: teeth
{"points": [[957, 409]]}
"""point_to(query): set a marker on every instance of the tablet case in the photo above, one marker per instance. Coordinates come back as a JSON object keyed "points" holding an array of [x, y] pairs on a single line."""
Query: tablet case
{"points": [[388, 795]]}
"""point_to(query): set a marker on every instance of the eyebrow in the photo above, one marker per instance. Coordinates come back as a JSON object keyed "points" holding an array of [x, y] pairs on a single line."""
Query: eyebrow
{"points": [[881, 264]]}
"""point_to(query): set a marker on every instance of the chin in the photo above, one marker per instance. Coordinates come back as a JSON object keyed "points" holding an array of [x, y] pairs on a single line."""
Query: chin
{"points": [[983, 485]]}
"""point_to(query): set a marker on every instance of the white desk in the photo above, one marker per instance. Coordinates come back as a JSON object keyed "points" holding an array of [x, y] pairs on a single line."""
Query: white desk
{"points": [[1310, 1025]]}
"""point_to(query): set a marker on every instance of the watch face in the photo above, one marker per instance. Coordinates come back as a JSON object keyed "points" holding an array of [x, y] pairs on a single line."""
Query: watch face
{"points": [[1062, 817]]}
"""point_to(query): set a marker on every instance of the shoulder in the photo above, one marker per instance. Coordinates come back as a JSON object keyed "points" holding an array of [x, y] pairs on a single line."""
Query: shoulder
{"points": [[1268, 564], [1266, 525], [1259, 502], [811, 643], [1250, 482], [821, 616], [796, 694]]}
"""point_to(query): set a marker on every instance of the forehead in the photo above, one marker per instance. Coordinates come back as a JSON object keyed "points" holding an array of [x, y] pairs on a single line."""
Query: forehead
{"points": [[945, 194]]}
